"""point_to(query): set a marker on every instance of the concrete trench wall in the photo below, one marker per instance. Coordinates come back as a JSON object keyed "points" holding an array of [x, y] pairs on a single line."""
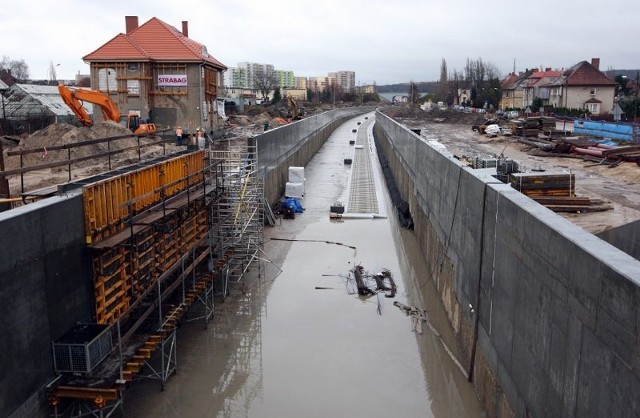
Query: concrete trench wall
{"points": [[557, 309], [44, 292], [294, 145], [44, 266]]}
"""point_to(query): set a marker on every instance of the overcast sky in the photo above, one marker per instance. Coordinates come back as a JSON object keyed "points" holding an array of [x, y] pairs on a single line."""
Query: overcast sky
{"points": [[386, 41]]}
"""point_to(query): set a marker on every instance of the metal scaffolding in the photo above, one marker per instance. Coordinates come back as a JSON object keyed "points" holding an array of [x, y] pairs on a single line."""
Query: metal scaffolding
{"points": [[240, 210], [184, 230]]}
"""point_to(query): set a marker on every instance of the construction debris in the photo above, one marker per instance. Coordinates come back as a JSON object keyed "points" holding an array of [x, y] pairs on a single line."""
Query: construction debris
{"points": [[417, 317], [367, 284]]}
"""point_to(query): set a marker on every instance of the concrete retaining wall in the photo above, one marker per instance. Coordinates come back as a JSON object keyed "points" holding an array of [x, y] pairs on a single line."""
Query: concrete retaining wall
{"points": [[45, 270], [555, 311], [44, 292], [625, 237], [294, 145]]}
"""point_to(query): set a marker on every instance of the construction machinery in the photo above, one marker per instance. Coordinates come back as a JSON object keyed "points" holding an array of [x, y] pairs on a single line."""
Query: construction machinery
{"points": [[74, 98], [295, 112]]}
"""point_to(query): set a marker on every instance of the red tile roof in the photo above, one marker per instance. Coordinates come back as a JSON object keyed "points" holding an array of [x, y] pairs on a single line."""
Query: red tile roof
{"points": [[509, 81], [154, 40], [548, 74], [585, 74]]}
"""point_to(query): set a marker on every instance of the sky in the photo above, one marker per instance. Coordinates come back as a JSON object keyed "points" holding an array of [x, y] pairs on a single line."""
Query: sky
{"points": [[383, 41]]}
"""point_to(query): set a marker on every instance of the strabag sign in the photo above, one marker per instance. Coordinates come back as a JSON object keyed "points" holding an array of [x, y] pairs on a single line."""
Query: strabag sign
{"points": [[168, 80]]}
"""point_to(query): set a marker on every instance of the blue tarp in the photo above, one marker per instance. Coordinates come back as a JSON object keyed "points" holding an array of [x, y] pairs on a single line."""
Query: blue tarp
{"points": [[619, 131], [293, 204]]}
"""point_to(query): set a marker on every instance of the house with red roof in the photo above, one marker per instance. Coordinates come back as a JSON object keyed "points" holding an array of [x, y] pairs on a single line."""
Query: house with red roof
{"points": [[584, 86], [512, 91], [157, 72], [537, 86]]}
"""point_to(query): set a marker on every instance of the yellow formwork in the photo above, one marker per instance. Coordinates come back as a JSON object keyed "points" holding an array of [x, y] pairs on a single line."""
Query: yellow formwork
{"points": [[108, 203], [123, 273]]}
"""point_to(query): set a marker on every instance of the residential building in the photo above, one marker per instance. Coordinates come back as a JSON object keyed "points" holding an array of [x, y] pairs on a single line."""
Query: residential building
{"points": [[299, 94], [346, 80], [157, 72], [241, 97], [537, 85], [512, 90], [369, 89], [254, 72], [584, 86], [332, 79], [285, 79], [301, 83], [236, 77], [318, 84], [463, 96]]}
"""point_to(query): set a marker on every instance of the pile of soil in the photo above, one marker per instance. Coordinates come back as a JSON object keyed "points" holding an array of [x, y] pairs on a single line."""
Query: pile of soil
{"points": [[416, 114], [60, 134]]}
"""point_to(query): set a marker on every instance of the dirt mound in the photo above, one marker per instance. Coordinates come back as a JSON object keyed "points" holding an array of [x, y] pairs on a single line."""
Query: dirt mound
{"points": [[407, 114], [60, 134]]}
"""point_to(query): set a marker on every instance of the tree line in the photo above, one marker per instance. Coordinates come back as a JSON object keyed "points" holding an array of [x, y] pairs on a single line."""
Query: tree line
{"points": [[479, 78], [18, 69]]}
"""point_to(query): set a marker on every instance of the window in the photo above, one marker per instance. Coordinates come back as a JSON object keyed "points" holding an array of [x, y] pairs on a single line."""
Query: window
{"points": [[133, 88], [593, 91], [593, 108], [107, 79]]}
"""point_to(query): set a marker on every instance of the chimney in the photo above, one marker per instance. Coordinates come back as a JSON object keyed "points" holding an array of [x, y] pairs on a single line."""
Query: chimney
{"points": [[596, 63], [185, 28], [131, 23]]}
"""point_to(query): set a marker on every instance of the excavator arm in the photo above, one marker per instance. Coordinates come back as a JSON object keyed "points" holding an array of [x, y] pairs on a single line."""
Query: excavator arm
{"points": [[294, 112], [74, 98]]}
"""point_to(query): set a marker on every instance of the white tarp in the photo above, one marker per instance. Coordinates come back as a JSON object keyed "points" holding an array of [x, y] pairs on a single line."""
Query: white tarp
{"points": [[492, 130], [296, 174], [294, 190], [220, 108]]}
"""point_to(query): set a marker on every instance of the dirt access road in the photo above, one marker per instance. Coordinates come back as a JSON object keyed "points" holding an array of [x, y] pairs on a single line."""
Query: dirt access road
{"points": [[617, 186]]}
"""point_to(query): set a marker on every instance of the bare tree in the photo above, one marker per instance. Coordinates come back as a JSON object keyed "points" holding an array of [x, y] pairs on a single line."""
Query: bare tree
{"points": [[455, 85], [19, 68], [264, 82], [414, 93], [483, 80], [443, 87]]}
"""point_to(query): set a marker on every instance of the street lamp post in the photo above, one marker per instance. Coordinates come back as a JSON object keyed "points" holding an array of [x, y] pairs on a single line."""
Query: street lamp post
{"points": [[635, 104]]}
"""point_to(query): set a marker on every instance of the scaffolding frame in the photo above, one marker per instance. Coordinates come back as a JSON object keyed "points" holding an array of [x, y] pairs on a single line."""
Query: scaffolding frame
{"points": [[241, 210], [231, 193]]}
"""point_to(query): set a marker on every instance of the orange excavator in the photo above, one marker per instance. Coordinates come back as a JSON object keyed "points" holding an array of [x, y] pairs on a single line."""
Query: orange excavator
{"points": [[295, 112], [74, 98]]}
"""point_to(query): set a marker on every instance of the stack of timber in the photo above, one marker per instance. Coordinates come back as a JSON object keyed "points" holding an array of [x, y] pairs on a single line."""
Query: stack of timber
{"points": [[573, 204], [544, 184], [525, 127], [556, 191], [548, 124], [626, 153]]}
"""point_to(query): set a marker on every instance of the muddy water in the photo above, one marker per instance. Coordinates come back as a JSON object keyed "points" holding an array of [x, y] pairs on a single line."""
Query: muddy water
{"points": [[280, 347]]}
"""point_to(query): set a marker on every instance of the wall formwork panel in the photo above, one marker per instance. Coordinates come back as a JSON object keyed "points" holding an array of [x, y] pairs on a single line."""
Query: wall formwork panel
{"points": [[109, 203]]}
